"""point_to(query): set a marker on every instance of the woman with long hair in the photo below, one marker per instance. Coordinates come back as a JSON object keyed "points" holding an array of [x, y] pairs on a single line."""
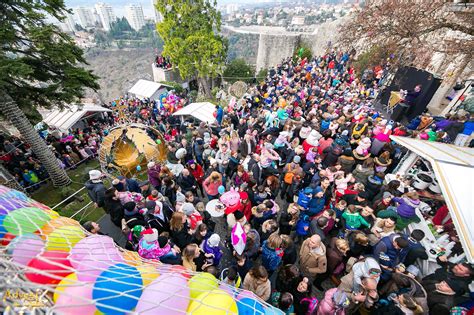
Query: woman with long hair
{"points": [[257, 281], [211, 185], [272, 184], [179, 230]]}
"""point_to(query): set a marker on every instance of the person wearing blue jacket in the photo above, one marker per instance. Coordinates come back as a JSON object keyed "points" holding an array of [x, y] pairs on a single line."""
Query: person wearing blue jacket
{"points": [[316, 204], [272, 253]]}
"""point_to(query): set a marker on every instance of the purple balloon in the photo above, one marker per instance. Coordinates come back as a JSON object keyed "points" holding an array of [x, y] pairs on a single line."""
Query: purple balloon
{"points": [[232, 291], [26, 250], [92, 255], [10, 204], [168, 294]]}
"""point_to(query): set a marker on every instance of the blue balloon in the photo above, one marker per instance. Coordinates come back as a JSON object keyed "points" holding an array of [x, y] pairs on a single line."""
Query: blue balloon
{"points": [[2, 228], [271, 310], [113, 282], [139, 168], [249, 306], [221, 189]]}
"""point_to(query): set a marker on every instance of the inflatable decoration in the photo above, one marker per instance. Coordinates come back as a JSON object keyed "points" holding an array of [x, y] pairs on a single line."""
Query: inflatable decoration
{"points": [[127, 149], [63, 269]]}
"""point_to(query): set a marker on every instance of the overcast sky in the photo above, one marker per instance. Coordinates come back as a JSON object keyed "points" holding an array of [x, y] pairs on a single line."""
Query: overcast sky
{"points": [[119, 5]]}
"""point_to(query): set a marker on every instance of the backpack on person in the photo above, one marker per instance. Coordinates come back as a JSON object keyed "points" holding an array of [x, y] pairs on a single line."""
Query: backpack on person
{"points": [[304, 197], [288, 178]]}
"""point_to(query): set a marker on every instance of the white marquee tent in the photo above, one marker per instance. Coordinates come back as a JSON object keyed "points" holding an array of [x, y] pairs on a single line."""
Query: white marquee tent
{"points": [[148, 89], [203, 111], [454, 170], [69, 116]]}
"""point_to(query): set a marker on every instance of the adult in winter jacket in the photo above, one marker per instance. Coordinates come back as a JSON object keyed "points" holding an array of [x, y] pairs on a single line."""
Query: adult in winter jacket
{"points": [[407, 204], [313, 257], [334, 303], [346, 161], [392, 246], [153, 172], [257, 282], [362, 172], [179, 230], [113, 206], [409, 285], [96, 188], [187, 182], [332, 154], [336, 255]]}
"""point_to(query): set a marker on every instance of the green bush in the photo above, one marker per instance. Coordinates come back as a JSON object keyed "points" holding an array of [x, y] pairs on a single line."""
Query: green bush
{"points": [[239, 70], [175, 85]]}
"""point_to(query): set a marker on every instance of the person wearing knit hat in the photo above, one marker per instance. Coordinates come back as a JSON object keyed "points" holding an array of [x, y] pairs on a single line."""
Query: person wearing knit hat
{"points": [[193, 216], [212, 249], [188, 208]]}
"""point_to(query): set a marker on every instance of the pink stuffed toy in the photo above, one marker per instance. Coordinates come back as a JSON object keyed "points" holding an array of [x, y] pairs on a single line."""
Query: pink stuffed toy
{"points": [[231, 200]]}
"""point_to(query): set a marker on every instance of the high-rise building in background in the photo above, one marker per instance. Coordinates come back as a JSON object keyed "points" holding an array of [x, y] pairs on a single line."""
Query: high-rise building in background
{"points": [[158, 16], [68, 25], [135, 17], [106, 14], [85, 16]]}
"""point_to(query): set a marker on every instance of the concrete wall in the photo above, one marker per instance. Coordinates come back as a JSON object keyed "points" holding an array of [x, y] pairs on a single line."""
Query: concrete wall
{"points": [[325, 34], [273, 48]]}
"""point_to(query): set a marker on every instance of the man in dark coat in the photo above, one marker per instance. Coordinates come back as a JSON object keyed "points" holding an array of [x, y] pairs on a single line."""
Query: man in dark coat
{"points": [[447, 285], [255, 168], [96, 188]]}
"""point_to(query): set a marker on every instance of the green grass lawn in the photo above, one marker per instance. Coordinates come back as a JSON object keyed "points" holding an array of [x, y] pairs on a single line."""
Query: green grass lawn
{"points": [[51, 196]]}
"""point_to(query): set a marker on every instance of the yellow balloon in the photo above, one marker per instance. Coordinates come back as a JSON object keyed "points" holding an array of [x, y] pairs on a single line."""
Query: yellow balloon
{"points": [[67, 281], [64, 238], [52, 225], [215, 302], [202, 282], [148, 272]]}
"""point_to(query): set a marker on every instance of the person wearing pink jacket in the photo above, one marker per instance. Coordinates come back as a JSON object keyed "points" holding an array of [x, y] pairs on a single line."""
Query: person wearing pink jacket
{"points": [[334, 303]]}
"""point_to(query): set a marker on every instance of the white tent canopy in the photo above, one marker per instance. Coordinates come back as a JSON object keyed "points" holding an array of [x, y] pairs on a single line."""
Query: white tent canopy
{"points": [[66, 118], [454, 170], [203, 111], [148, 89]]}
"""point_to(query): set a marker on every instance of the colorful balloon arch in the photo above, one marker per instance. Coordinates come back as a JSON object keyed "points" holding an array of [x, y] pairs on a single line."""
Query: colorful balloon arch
{"points": [[50, 262]]}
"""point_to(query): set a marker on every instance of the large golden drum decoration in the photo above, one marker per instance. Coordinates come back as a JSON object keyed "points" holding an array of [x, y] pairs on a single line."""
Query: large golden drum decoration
{"points": [[127, 149]]}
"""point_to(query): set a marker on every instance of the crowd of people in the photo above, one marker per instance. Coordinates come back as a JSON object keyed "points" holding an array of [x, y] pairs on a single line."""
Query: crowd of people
{"points": [[301, 161], [162, 62]]}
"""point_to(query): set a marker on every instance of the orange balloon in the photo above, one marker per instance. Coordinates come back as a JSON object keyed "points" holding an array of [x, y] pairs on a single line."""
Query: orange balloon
{"points": [[55, 223], [132, 258]]}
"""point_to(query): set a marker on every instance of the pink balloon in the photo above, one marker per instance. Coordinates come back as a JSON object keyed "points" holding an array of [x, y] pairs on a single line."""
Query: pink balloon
{"points": [[76, 300], [245, 294], [168, 294], [92, 255], [228, 289], [26, 250]]}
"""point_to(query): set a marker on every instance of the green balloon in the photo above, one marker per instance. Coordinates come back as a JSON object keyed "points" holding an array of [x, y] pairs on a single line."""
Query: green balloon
{"points": [[25, 220], [158, 141]]}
